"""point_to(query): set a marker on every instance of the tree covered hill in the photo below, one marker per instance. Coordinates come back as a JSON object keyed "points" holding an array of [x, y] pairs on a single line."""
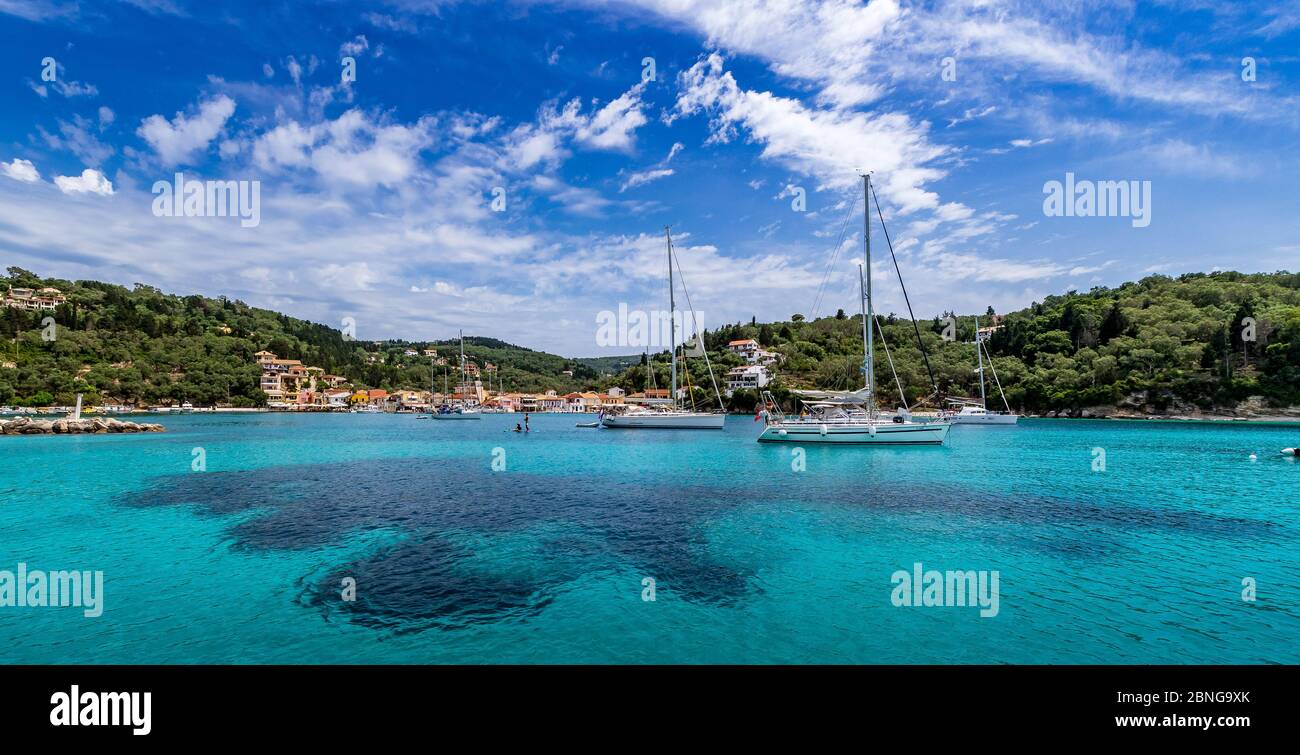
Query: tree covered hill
{"points": [[1196, 342], [119, 344], [1157, 345]]}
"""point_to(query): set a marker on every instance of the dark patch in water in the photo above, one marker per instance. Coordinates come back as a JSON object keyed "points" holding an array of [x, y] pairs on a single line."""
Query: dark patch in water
{"points": [[431, 579], [434, 577]]}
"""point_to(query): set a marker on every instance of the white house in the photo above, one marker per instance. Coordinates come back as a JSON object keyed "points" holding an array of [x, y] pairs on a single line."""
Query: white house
{"points": [[753, 376], [744, 347]]}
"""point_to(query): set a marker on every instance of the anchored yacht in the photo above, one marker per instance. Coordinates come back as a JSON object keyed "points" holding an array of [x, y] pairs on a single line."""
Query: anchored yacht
{"points": [[967, 412], [852, 418], [674, 416]]}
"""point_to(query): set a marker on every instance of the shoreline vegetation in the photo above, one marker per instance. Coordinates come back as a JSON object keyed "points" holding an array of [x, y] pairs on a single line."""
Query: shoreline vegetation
{"points": [[1218, 346]]}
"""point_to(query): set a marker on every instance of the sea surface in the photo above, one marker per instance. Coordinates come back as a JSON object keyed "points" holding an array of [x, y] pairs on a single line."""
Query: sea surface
{"points": [[757, 553]]}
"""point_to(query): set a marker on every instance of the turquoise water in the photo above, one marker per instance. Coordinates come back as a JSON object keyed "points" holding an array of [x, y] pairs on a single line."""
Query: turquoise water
{"points": [[752, 561]]}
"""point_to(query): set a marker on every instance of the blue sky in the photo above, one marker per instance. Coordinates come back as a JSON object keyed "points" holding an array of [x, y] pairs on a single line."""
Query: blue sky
{"points": [[376, 194]]}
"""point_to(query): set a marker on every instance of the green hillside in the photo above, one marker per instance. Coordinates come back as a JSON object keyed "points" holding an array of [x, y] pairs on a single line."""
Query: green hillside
{"points": [[1159, 344], [118, 344], [1155, 345]]}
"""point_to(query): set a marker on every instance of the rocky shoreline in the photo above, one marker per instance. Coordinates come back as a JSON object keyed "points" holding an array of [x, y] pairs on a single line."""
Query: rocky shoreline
{"points": [[1140, 406], [97, 425]]}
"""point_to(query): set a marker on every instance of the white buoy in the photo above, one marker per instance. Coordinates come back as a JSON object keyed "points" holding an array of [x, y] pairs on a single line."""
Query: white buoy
{"points": [[1252, 457]]}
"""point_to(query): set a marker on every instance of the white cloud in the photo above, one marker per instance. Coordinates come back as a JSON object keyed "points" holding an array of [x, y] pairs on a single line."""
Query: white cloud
{"points": [[612, 126], [1180, 157], [352, 150], [20, 170], [90, 181], [831, 43], [75, 88], [828, 145], [854, 52], [354, 47], [76, 137], [185, 137], [644, 177]]}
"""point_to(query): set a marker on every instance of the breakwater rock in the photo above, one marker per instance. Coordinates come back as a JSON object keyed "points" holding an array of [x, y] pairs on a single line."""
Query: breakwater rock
{"points": [[27, 426]]}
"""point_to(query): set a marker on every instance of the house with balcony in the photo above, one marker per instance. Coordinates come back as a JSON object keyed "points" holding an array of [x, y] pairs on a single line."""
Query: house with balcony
{"points": [[744, 347], [752, 376], [47, 299]]}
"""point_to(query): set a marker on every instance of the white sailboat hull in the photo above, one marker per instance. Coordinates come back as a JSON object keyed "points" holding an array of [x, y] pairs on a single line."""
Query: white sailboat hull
{"points": [[907, 433], [666, 421], [984, 419]]}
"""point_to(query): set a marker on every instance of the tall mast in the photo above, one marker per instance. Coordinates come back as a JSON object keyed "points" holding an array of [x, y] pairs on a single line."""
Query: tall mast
{"points": [[463, 376], [979, 355], [870, 365], [672, 314], [862, 296]]}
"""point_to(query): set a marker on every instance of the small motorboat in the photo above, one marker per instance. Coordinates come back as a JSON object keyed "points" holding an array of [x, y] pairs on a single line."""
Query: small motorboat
{"points": [[588, 424], [1291, 452]]}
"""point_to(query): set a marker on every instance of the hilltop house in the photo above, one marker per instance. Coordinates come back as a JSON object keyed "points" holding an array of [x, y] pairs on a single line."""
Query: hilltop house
{"points": [[744, 347], [32, 299], [986, 331]]}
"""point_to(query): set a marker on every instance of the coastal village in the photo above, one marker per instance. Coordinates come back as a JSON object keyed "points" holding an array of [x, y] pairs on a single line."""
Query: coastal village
{"points": [[291, 385]]}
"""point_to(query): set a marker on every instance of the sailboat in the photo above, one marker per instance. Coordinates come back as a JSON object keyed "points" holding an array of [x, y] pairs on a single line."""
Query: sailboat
{"points": [[970, 413], [464, 409], [852, 418], [676, 416]]}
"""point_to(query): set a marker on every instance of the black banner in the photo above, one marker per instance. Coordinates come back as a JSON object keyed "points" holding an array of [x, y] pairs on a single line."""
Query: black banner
{"points": [[328, 703]]}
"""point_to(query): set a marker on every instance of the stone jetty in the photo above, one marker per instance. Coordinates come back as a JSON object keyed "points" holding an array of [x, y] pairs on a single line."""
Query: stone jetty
{"points": [[28, 426]]}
